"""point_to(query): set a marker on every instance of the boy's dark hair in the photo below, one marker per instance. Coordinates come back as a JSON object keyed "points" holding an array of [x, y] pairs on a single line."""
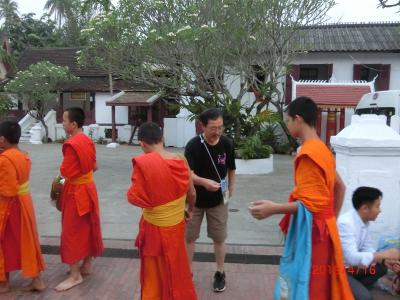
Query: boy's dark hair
{"points": [[76, 114], [11, 131], [304, 107], [210, 114], [150, 133], [365, 195]]}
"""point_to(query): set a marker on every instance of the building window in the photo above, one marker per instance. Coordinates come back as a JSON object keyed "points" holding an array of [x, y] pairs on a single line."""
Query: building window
{"points": [[368, 74], [315, 72]]}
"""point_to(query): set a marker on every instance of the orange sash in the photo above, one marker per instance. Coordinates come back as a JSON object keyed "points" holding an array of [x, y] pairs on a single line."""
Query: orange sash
{"points": [[84, 179]]}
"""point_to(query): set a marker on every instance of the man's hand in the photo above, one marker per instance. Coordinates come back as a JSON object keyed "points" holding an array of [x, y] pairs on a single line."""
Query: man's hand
{"points": [[262, 209], [188, 215], [393, 265], [392, 254], [396, 267], [211, 185]]}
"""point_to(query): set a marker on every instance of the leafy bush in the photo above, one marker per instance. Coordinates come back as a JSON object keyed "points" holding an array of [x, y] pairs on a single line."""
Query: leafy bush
{"points": [[270, 136], [5, 104], [253, 148]]}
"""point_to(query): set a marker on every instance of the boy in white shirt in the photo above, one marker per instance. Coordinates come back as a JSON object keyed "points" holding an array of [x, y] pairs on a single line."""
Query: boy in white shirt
{"points": [[364, 265]]}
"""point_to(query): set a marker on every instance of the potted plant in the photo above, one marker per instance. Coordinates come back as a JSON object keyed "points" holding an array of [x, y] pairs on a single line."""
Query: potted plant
{"points": [[254, 157]]}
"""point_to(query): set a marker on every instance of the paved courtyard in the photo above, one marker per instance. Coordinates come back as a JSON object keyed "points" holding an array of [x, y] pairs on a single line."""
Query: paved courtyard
{"points": [[119, 218], [253, 246]]}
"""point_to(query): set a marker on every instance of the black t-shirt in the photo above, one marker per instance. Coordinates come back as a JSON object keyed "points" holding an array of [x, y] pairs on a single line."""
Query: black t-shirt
{"points": [[200, 163]]}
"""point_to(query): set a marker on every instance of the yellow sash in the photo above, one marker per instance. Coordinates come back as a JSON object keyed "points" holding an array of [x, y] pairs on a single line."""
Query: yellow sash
{"points": [[23, 189], [85, 178], [165, 215]]}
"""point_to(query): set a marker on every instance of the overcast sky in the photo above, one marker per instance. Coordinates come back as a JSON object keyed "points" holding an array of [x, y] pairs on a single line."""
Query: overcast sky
{"points": [[344, 11]]}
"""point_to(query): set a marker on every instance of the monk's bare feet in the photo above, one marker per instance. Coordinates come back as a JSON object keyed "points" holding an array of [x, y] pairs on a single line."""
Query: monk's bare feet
{"points": [[37, 285], [4, 287], [69, 283], [85, 271], [86, 268]]}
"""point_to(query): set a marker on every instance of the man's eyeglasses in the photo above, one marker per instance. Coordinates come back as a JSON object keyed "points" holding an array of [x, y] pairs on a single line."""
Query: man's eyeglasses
{"points": [[216, 129]]}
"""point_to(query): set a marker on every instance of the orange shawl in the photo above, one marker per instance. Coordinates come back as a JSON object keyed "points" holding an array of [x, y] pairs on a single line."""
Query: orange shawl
{"points": [[314, 186], [15, 168]]}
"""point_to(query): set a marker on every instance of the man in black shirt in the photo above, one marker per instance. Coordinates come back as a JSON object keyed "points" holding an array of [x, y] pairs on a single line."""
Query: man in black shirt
{"points": [[211, 159]]}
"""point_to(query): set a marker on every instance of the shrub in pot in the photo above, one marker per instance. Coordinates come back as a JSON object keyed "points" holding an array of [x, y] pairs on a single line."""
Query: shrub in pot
{"points": [[253, 148]]}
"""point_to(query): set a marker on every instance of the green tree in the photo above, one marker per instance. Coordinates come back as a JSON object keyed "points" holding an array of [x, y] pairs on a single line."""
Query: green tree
{"points": [[38, 85], [7, 59], [97, 5], [209, 52], [103, 44], [76, 19], [58, 8], [28, 31], [5, 104], [8, 12]]}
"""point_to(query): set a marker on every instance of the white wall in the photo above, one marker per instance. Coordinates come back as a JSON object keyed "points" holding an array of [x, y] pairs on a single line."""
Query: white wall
{"points": [[343, 64], [103, 112], [368, 154]]}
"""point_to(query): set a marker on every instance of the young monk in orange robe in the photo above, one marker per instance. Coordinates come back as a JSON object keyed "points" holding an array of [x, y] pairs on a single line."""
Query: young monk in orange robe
{"points": [[19, 240], [319, 188], [161, 184], [81, 238]]}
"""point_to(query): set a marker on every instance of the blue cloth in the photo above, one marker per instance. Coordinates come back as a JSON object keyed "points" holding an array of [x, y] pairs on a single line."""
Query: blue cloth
{"points": [[295, 264]]}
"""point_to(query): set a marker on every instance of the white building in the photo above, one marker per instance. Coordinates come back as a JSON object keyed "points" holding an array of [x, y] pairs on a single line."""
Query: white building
{"points": [[336, 53]]}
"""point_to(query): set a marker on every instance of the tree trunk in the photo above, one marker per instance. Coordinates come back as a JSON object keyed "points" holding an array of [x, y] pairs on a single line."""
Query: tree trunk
{"points": [[46, 130], [292, 141], [110, 80]]}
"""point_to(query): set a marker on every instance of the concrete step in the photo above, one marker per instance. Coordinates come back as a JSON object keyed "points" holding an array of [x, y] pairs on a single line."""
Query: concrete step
{"points": [[24, 140], [26, 134]]}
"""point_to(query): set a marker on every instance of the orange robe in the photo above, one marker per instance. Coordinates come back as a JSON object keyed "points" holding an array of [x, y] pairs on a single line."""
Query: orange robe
{"points": [[19, 239], [314, 187], [159, 187], [81, 231]]}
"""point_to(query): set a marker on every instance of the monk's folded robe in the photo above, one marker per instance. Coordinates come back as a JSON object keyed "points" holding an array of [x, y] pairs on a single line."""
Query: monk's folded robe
{"points": [[160, 186], [314, 175], [19, 239], [81, 232]]}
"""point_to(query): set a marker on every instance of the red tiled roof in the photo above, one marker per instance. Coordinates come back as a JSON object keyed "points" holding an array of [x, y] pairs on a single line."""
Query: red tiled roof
{"points": [[333, 95]]}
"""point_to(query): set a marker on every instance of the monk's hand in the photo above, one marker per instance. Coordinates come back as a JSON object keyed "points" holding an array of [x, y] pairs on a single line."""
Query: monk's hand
{"points": [[262, 209], [211, 185]]}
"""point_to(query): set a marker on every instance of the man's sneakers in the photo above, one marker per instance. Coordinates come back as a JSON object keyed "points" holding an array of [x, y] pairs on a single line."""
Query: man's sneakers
{"points": [[219, 282]]}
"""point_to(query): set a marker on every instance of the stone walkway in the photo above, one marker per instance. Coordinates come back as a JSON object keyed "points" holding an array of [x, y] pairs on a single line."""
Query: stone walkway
{"points": [[116, 275]]}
